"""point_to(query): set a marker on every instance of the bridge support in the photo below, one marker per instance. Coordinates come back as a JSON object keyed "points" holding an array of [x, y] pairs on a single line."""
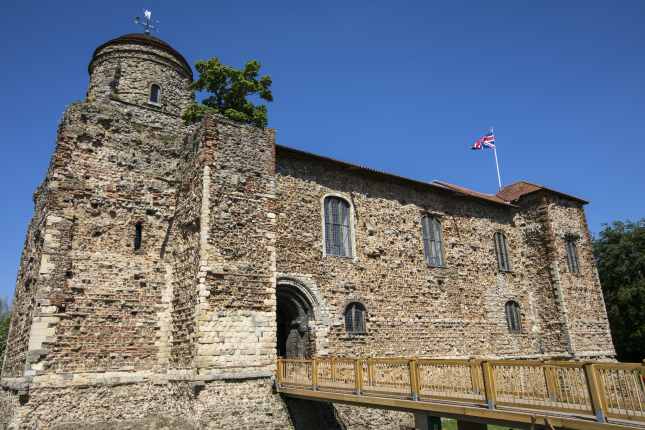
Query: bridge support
{"points": [[470, 425], [426, 422]]}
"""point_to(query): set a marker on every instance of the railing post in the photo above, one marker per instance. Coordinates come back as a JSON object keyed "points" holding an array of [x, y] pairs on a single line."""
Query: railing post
{"points": [[314, 374], [475, 382], [414, 379], [332, 369], [489, 384], [279, 372], [358, 376], [551, 389], [370, 372], [596, 392]]}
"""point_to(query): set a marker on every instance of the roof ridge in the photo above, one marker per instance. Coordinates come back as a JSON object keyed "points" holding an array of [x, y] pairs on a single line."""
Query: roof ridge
{"points": [[433, 184]]}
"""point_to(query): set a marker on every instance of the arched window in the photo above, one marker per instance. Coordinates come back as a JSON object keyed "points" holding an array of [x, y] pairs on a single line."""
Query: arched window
{"points": [[138, 235], [572, 254], [338, 236], [501, 249], [155, 93], [355, 316], [513, 320], [432, 240]]}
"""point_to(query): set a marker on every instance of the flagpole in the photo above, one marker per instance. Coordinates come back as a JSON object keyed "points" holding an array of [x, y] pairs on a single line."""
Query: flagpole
{"points": [[499, 178]]}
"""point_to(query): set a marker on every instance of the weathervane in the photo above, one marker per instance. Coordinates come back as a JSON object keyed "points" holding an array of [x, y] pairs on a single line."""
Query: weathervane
{"points": [[147, 23]]}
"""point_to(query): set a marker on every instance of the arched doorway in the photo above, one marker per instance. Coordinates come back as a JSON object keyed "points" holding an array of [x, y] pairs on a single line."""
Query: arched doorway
{"points": [[294, 311]]}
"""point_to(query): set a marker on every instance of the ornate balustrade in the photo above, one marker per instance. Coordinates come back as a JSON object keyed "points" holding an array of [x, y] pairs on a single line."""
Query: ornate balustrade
{"points": [[602, 390]]}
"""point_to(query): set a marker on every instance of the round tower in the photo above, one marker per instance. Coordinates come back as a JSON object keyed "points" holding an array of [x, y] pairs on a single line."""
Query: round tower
{"points": [[141, 70]]}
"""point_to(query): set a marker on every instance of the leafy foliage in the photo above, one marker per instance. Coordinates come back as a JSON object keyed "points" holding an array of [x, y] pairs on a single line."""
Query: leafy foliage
{"points": [[5, 319], [620, 254], [229, 89]]}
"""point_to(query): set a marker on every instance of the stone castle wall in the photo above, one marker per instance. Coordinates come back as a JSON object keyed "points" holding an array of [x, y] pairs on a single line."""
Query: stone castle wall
{"points": [[414, 309], [236, 312], [183, 261], [27, 283], [218, 405], [584, 305], [118, 173], [123, 330]]}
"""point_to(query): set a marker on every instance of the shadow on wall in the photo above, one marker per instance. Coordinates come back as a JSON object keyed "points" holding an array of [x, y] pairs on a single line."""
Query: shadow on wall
{"points": [[311, 415]]}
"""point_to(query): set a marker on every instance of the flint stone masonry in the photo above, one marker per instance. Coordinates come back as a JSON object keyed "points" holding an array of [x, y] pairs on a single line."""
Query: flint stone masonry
{"points": [[218, 405], [453, 311], [183, 331]]}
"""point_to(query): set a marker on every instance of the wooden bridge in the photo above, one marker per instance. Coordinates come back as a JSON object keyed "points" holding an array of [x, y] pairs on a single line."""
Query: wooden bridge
{"points": [[551, 394]]}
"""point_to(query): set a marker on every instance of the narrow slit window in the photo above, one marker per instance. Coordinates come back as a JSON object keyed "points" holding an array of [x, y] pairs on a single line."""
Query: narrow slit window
{"points": [[337, 227], [572, 255], [155, 93], [355, 316], [501, 250], [432, 241], [138, 235], [513, 320]]}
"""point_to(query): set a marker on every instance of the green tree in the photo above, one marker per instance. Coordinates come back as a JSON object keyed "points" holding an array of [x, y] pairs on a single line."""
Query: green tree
{"points": [[620, 254], [228, 92]]}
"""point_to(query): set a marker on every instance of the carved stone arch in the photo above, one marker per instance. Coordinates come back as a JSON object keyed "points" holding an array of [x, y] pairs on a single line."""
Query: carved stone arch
{"points": [[301, 288], [295, 308], [319, 322]]}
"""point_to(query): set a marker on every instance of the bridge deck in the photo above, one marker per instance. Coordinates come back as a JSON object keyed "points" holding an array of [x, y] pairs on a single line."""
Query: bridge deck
{"points": [[572, 394]]}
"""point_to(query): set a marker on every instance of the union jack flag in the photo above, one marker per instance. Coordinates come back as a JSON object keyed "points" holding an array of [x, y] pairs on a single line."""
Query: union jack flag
{"points": [[486, 141]]}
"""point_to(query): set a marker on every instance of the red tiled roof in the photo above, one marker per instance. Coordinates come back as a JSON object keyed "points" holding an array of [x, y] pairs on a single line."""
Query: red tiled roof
{"points": [[515, 191], [468, 192]]}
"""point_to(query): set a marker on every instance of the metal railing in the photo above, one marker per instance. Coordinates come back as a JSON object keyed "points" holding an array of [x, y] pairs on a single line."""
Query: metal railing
{"points": [[614, 390]]}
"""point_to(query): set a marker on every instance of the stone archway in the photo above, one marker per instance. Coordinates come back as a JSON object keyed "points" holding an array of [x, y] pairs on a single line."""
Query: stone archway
{"points": [[298, 310], [294, 312]]}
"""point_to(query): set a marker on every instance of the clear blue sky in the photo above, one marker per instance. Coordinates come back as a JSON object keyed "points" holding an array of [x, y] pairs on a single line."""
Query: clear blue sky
{"points": [[401, 86]]}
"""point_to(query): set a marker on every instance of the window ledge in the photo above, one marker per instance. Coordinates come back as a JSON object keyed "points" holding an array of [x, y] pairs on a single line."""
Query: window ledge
{"points": [[157, 105], [346, 257], [352, 336]]}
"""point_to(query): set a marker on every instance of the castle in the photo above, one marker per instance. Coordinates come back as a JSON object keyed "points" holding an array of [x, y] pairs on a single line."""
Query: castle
{"points": [[168, 265]]}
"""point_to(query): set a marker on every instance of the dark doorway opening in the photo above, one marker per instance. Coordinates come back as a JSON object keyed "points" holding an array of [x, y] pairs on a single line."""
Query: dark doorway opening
{"points": [[296, 340], [294, 312]]}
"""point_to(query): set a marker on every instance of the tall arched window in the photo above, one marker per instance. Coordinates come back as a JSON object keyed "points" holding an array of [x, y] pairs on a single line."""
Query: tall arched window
{"points": [[155, 93], [501, 249], [432, 240], [572, 254], [355, 316], [513, 320], [338, 237]]}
